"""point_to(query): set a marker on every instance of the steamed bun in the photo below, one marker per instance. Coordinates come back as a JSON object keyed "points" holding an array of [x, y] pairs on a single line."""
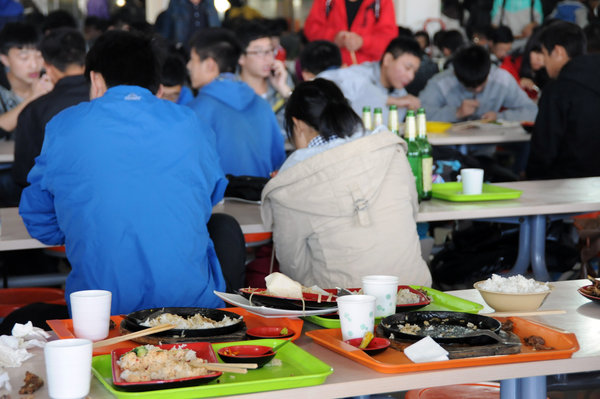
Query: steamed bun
{"points": [[281, 285]]}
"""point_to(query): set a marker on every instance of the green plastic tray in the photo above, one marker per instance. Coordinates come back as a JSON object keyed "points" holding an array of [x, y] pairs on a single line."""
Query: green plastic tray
{"points": [[299, 369], [489, 192], [439, 301]]}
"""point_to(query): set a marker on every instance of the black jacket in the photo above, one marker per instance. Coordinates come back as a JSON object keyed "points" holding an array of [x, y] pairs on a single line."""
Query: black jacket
{"points": [[29, 135], [566, 138]]}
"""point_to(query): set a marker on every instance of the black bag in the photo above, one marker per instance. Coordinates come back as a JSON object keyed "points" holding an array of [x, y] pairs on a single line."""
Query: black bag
{"points": [[245, 187]]}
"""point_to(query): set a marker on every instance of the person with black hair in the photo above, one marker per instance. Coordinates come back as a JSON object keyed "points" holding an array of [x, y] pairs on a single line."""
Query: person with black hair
{"points": [[63, 50], [267, 76], [424, 41], [360, 28], [58, 19], [22, 59], [173, 79], [127, 182], [380, 84], [248, 138], [319, 56], [565, 137], [501, 43], [592, 36], [475, 89], [344, 199]]}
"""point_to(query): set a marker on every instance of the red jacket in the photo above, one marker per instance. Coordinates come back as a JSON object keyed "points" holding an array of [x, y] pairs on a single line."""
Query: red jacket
{"points": [[376, 34]]}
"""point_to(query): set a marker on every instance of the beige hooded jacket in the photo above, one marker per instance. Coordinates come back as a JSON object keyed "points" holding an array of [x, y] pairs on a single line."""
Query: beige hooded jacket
{"points": [[346, 213]]}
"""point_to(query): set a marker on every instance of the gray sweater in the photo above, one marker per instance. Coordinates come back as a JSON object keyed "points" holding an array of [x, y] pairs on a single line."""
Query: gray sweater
{"points": [[444, 94]]}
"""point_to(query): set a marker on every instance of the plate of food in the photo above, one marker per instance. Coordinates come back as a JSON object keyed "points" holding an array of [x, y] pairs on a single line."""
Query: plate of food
{"points": [[189, 322], [591, 292], [149, 367], [310, 299], [407, 298], [242, 302], [442, 327]]}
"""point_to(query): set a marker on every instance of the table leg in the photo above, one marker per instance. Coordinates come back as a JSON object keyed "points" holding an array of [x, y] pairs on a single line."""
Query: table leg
{"points": [[538, 248], [509, 388], [524, 255], [533, 387]]}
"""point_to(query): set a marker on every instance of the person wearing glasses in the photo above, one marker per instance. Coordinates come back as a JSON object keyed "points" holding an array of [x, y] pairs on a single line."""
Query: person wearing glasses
{"points": [[258, 67], [248, 139]]}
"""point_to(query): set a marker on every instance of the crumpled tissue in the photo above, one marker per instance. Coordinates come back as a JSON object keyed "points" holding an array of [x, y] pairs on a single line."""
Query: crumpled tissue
{"points": [[13, 348], [426, 350]]}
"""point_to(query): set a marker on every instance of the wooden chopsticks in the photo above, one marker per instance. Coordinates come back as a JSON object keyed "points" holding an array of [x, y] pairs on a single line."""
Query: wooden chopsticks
{"points": [[137, 334], [517, 314], [240, 368]]}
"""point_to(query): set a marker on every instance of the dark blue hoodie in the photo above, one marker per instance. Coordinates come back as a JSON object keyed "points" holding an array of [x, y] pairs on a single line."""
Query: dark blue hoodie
{"points": [[249, 141]]}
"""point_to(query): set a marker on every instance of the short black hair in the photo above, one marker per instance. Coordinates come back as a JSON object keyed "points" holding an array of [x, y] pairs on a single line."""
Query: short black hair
{"points": [[319, 56], [592, 35], [124, 58], [321, 105], [248, 31], [219, 44], [173, 71], [18, 35], [565, 34], [63, 47], [472, 65], [58, 19], [403, 45], [502, 34], [451, 39], [425, 34]]}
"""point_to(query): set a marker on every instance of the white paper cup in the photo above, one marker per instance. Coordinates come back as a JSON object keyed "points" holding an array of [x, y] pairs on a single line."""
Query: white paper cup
{"points": [[90, 310], [385, 289], [357, 315], [472, 180], [68, 368]]}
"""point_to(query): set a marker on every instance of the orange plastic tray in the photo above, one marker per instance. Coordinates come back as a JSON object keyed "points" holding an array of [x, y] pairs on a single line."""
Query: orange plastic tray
{"points": [[64, 328], [394, 361]]}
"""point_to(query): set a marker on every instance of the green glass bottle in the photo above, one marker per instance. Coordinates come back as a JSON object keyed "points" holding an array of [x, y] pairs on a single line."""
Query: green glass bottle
{"points": [[367, 119], [393, 125], [377, 117], [414, 153], [426, 154]]}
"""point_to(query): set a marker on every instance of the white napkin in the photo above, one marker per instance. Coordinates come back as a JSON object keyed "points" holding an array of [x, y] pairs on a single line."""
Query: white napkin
{"points": [[426, 350], [13, 348]]}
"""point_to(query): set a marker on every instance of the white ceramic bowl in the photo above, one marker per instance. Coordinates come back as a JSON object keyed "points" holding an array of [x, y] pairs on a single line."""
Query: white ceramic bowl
{"points": [[513, 302]]}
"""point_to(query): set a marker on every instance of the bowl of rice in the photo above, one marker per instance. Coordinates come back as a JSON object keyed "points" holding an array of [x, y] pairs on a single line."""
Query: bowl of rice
{"points": [[513, 294]]}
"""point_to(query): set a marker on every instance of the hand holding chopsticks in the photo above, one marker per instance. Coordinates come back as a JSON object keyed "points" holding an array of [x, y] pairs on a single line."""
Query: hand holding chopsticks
{"points": [[137, 334]]}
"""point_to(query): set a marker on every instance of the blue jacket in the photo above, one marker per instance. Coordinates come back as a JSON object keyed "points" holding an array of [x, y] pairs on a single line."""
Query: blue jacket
{"points": [[249, 141], [127, 184]]}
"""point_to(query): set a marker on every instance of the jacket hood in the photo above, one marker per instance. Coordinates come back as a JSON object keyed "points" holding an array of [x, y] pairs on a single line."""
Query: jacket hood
{"points": [[583, 70], [336, 182], [234, 93]]}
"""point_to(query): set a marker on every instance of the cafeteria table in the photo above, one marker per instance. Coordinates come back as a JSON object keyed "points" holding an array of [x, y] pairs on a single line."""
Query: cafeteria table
{"points": [[541, 199], [485, 134], [352, 379]]}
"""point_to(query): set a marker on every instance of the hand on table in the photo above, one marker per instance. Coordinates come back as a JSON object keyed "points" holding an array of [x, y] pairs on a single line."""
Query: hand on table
{"points": [[489, 116], [467, 108]]}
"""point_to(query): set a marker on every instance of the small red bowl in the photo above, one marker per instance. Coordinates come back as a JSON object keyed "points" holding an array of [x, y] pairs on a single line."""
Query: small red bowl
{"points": [[377, 345], [269, 332], [258, 354]]}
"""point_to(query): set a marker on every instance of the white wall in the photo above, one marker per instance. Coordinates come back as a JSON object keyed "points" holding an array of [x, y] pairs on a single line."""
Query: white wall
{"points": [[413, 13]]}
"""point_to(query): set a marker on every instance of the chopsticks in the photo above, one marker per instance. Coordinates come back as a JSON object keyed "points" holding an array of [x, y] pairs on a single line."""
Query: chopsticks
{"points": [[240, 368], [137, 334], [532, 313]]}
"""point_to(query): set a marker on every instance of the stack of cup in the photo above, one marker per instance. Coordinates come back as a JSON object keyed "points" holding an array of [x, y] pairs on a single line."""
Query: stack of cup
{"points": [[385, 289]]}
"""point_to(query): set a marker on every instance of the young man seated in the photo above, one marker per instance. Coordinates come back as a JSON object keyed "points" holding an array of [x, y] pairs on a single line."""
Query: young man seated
{"points": [[565, 138], [501, 43], [22, 59], [173, 77], [127, 183], [319, 56], [248, 139], [266, 75], [475, 89], [63, 51], [380, 84]]}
